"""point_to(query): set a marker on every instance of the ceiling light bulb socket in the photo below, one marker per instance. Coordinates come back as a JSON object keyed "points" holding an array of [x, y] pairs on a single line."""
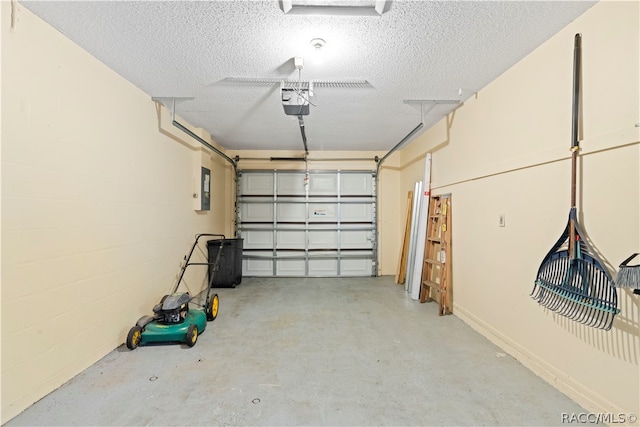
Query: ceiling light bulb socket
{"points": [[318, 43]]}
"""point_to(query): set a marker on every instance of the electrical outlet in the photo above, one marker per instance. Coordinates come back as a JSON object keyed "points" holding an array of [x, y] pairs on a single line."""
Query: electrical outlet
{"points": [[501, 221]]}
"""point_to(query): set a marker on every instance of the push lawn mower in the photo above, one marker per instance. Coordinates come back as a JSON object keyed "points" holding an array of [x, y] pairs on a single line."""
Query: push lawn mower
{"points": [[173, 320]]}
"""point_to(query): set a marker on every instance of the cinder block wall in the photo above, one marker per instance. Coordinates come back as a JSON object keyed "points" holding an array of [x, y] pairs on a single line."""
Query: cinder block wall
{"points": [[97, 207], [506, 151]]}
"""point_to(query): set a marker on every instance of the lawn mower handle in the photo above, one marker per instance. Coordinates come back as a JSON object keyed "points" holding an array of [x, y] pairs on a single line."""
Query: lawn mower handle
{"points": [[188, 257]]}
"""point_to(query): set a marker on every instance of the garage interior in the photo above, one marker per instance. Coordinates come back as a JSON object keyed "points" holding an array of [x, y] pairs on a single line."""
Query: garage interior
{"points": [[130, 127]]}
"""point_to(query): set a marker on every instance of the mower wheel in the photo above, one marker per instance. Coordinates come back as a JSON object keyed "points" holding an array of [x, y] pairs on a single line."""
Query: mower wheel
{"points": [[212, 307], [192, 335], [134, 337]]}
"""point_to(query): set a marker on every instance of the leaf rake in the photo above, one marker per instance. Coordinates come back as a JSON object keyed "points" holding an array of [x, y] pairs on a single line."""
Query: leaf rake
{"points": [[572, 281]]}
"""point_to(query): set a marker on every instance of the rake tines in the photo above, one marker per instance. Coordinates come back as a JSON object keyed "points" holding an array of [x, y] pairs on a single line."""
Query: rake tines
{"points": [[577, 287], [577, 291]]}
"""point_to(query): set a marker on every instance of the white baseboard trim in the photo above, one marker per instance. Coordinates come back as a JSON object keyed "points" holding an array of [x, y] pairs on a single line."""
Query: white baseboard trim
{"points": [[585, 397]]}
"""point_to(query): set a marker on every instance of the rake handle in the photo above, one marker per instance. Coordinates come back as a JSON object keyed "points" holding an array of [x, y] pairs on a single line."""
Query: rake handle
{"points": [[575, 142]]}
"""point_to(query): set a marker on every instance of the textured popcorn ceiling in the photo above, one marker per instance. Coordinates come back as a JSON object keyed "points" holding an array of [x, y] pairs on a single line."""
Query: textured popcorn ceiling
{"points": [[418, 50]]}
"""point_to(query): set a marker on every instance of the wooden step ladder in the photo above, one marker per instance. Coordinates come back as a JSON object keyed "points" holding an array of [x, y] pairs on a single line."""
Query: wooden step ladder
{"points": [[436, 270]]}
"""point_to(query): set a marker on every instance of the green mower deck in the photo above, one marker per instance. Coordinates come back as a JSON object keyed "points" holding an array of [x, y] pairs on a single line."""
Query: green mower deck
{"points": [[156, 332]]}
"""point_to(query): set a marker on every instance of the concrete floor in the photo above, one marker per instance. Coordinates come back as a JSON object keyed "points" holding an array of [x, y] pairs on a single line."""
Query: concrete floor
{"points": [[352, 351]]}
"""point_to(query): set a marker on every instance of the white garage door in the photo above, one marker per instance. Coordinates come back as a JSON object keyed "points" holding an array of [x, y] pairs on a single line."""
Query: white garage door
{"points": [[321, 227]]}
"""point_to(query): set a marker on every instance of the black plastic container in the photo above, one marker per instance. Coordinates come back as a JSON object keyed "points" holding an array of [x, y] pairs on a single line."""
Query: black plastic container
{"points": [[229, 273]]}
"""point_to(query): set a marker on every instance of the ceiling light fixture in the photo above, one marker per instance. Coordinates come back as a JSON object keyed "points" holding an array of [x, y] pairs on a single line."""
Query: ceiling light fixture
{"points": [[318, 43], [336, 7], [317, 56]]}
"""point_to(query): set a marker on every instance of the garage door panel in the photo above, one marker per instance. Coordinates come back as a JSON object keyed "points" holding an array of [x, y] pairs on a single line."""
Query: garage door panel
{"points": [[290, 239], [356, 267], [356, 184], [356, 239], [291, 212], [353, 212], [255, 239], [323, 184], [290, 267], [323, 239], [323, 212], [256, 267], [323, 267], [257, 183], [291, 184], [256, 212]]}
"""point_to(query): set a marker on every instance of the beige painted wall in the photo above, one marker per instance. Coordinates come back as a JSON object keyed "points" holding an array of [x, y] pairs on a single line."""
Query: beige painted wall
{"points": [[97, 208], [506, 151]]}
